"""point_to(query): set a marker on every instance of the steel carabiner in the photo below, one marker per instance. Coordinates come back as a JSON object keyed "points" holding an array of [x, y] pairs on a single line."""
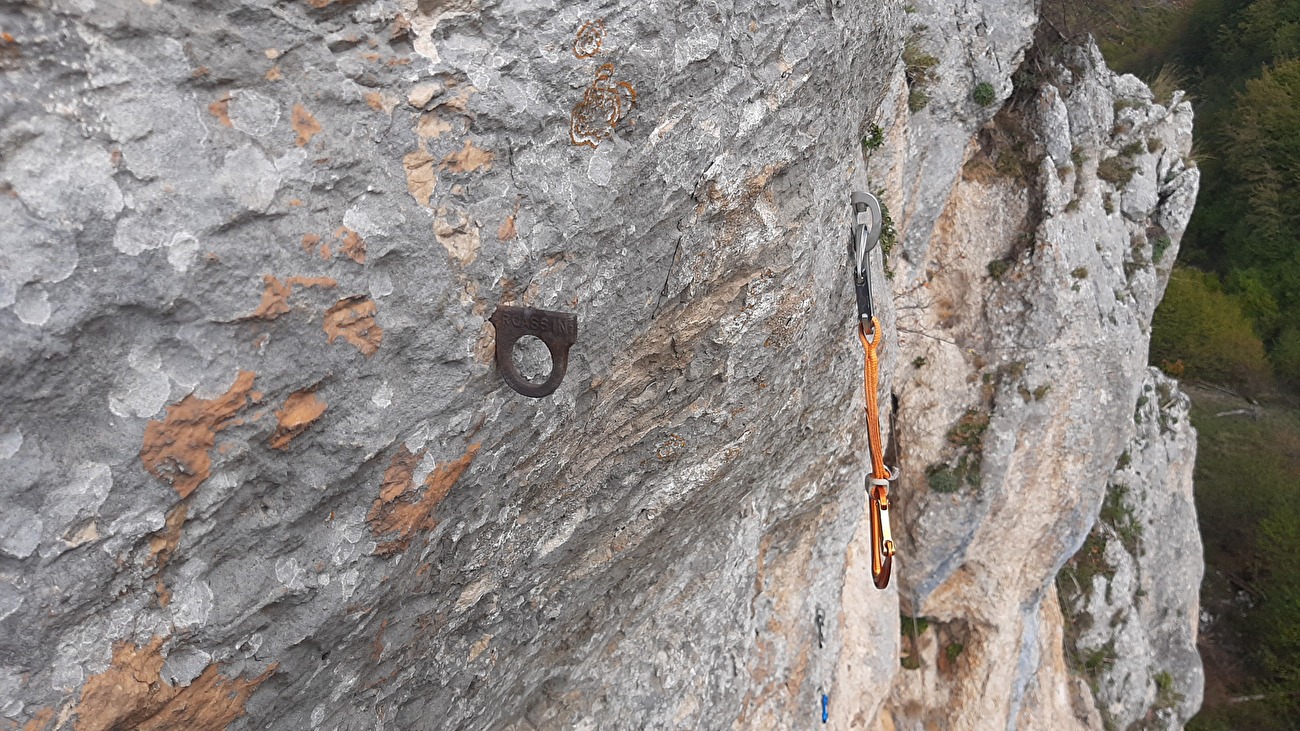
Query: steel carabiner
{"points": [[864, 236]]}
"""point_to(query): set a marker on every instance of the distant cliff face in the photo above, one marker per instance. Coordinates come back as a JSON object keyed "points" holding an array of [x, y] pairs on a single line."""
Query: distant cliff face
{"points": [[258, 469]]}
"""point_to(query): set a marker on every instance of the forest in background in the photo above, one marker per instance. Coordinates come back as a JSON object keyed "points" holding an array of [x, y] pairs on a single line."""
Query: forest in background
{"points": [[1230, 322]]}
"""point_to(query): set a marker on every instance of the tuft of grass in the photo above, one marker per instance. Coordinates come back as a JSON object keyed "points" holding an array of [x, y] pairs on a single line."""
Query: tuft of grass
{"points": [[984, 94], [998, 267], [1117, 171], [888, 234], [1080, 273], [1169, 79], [918, 361], [1117, 514], [917, 99], [919, 68]]}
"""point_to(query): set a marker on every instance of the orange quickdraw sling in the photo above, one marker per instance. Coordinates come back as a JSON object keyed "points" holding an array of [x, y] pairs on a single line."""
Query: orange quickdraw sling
{"points": [[865, 236]]}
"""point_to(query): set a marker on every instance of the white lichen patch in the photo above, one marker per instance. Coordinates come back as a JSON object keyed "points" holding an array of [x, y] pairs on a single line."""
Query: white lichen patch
{"points": [[142, 389], [10, 443]]}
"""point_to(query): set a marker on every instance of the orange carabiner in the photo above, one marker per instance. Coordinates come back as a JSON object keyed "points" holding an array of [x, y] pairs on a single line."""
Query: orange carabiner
{"points": [[882, 541]]}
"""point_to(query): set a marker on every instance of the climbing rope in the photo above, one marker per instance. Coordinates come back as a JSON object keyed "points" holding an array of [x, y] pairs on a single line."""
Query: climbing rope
{"points": [[865, 236]]}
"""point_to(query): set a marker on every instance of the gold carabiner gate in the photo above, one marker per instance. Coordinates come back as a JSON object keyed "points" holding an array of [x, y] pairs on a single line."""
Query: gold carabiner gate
{"points": [[882, 540]]}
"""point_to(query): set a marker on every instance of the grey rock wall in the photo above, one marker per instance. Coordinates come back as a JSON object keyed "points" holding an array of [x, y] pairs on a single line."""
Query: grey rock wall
{"points": [[257, 468]]}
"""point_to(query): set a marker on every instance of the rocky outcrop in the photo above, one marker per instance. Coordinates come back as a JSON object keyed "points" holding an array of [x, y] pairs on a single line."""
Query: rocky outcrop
{"points": [[256, 466], [1024, 316], [1128, 595]]}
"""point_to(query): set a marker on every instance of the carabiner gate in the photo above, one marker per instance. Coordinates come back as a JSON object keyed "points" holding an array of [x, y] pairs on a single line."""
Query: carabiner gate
{"points": [[882, 540]]}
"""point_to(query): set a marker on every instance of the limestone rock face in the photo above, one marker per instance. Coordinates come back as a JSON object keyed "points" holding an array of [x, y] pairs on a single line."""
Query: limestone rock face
{"points": [[1125, 594], [258, 470]]}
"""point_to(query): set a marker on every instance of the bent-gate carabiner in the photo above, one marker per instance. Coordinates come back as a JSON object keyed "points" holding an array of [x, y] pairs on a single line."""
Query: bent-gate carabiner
{"points": [[882, 540]]}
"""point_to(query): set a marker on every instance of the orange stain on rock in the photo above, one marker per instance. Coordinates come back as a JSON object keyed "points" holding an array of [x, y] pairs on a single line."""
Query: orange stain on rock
{"points": [[353, 319], [40, 721], [507, 229], [354, 247], [468, 159], [399, 512], [300, 410], [275, 298], [163, 543], [304, 124], [221, 110], [176, 448], [132, 694]]}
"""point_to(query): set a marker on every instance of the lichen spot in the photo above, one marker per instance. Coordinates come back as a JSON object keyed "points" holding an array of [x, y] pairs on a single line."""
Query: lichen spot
{"points": [[132, 694], [353, 246], [589, 38], [402, 510], [300, 410], [353, 320], [176, 449], [304, 124]]}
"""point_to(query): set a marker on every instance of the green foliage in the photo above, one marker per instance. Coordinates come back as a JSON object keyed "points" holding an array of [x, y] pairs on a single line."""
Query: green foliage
{"points": [[1286, 356], [1247, 483], [912, 626], [998, 267], [1080, 273], [1200, 326], [984, 94], [969, 430], [1159, 248], [1117, 514], [888, 234], [918, 361], [874, 139], [953, 651], [942, 478]]}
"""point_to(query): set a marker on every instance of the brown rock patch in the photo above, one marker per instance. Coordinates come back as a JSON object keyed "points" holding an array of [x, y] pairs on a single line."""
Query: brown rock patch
{"points": [[221, 110], [467, 159], [399, 512], [300, 410], [163, 543], [354, 247], [304, 124], [421, 178], [275, 298], [458, 234], [131, 694], [353, 319], [40, 721], [432, 126], [176, 448]]}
